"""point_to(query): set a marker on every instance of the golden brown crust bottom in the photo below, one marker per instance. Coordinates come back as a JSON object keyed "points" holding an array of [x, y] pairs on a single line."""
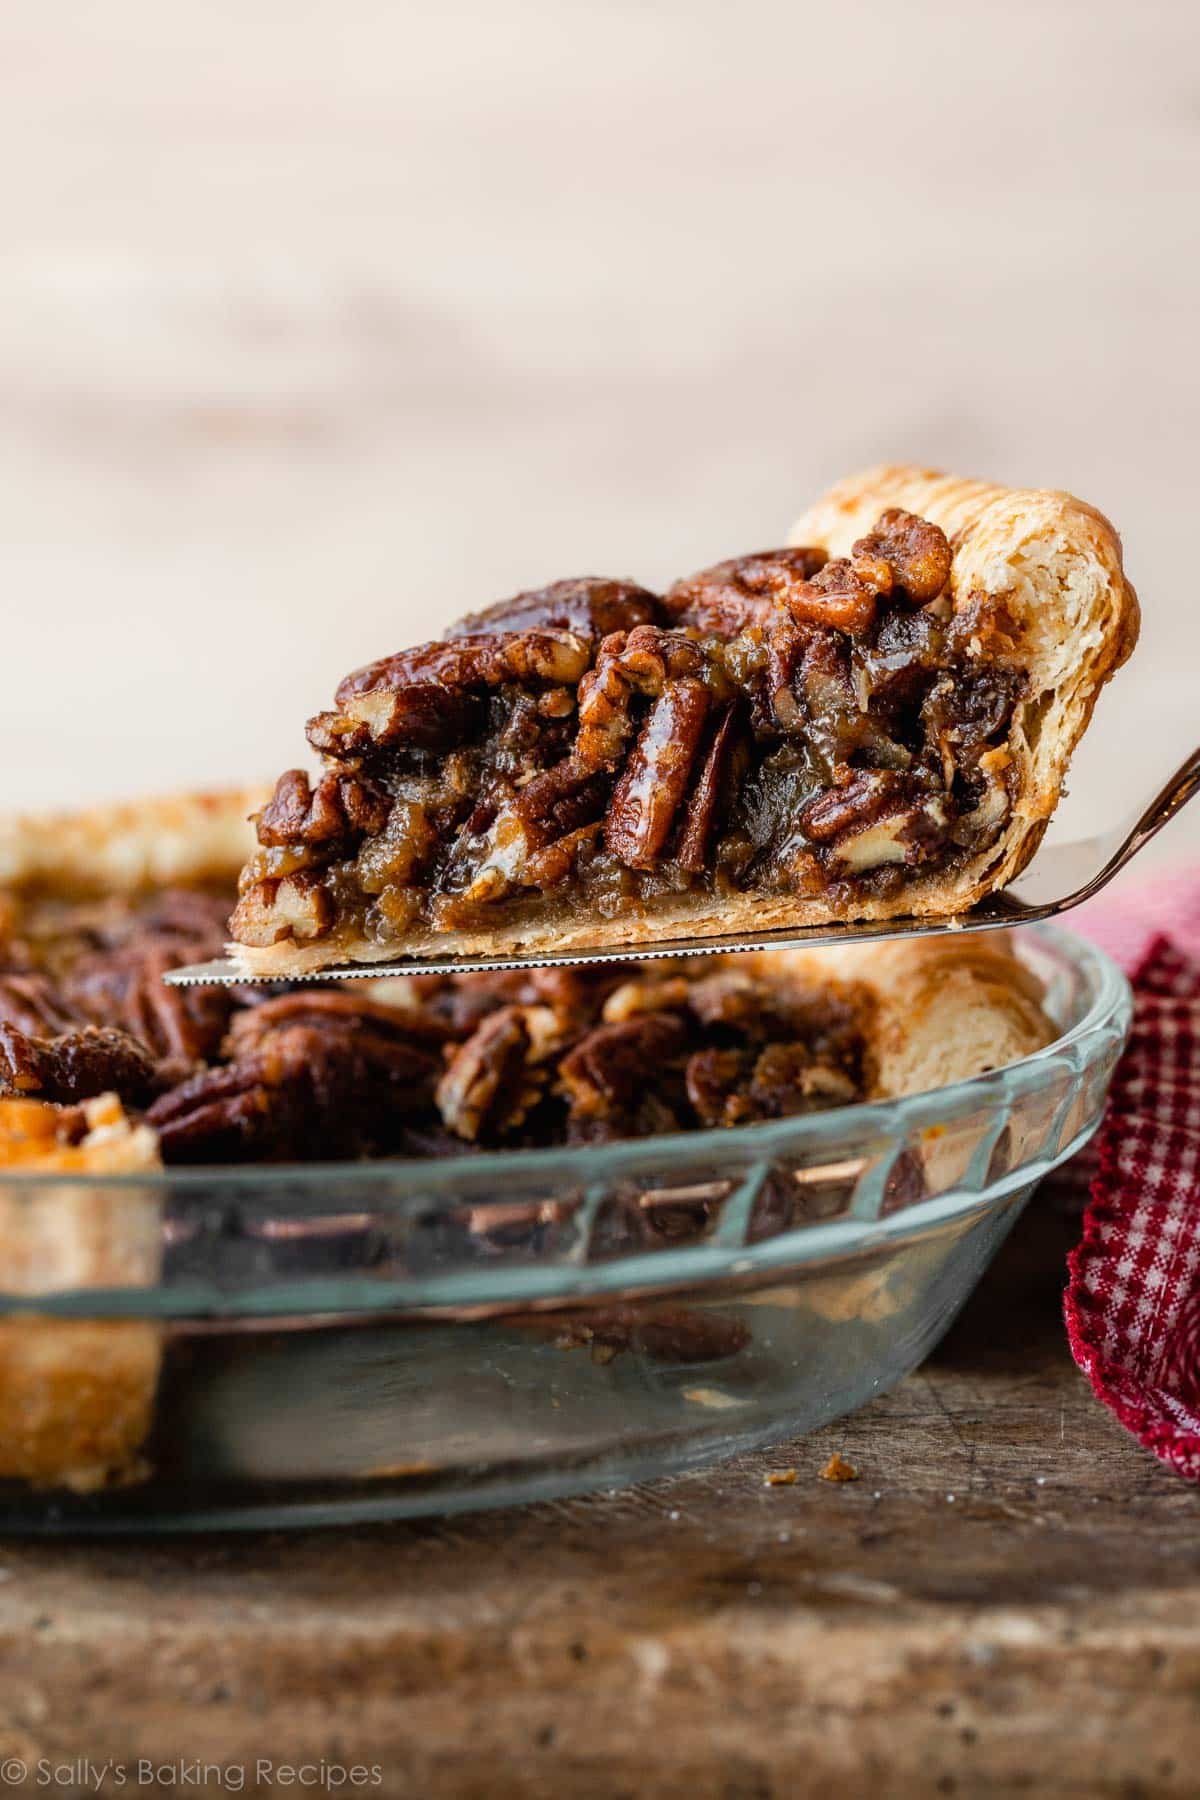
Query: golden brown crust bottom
{"points": [[1054, 560]]}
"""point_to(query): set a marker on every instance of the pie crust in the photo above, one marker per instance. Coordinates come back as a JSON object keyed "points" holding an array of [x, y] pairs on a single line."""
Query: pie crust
{"points": [[76, 1395]]}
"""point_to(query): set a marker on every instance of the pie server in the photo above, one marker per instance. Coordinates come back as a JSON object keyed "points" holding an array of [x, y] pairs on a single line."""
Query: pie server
{"points": [[1059, 877]]}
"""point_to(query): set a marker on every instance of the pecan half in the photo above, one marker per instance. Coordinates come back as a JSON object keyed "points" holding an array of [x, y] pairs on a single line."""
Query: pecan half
{"points": [[31, 1003], [494, 1080], [589, 606], [124, 989], [874, 818], [312, 1076], [656, 776], [711, 790], [369, 1022], [864, 797]]}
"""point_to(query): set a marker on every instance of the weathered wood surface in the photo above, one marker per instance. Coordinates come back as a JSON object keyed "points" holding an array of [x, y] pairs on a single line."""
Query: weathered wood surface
{"points": [[1007, 1600]]}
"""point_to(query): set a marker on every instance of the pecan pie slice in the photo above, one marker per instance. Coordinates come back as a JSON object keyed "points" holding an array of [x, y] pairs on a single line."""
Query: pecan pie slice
{"points": [[876, 721]]}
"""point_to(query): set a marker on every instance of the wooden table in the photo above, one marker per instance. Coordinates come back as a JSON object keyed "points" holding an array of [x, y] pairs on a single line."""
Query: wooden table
{"points": [[1007, 1600]]}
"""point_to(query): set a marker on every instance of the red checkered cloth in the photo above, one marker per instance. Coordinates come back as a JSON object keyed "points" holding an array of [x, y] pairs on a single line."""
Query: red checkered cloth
{"points": [[1133, 1298]]}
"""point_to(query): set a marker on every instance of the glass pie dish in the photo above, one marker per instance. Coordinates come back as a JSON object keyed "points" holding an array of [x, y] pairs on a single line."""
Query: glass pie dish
{"points": [[373, 1340]]}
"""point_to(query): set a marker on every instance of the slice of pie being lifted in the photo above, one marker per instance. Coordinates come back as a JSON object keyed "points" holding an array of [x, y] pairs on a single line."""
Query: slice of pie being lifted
{"points": [[872, 723]]}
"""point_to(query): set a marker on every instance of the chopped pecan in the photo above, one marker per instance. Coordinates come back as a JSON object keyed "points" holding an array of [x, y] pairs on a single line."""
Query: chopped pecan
{"points": [[643, 994], [400, 852], [786, 1080], [902, 553], [896, 665], [739, 1086], [862, 798], [841, 597], [532, 838], [836, 726], [340, 807], [656, 776], [590, 606], [967, 709], [641, 661], [715, 1081], [730, 997], [915, 552], [748, 590], [430, 697], [299, 906], [75, 1066]]}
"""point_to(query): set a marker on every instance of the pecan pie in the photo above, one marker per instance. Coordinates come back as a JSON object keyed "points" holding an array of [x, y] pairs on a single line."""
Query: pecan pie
{"points": [[876, 721], [105, 1071]]}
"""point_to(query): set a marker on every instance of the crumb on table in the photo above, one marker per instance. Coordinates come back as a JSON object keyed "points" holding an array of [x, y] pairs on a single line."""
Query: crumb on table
{"points": [[838, 1469]]}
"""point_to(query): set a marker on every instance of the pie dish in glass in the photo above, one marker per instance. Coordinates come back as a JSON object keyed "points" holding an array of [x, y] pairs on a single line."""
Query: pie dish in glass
{"points": [[373, 1340]]}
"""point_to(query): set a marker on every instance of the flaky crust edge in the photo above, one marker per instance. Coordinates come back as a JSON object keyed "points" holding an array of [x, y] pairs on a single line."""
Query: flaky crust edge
{"points": [[940, 1010], [124, 846], [1058, 563], [77, 1395]]}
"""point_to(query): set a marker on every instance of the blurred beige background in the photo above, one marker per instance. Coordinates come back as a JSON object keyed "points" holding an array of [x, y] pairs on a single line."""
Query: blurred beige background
{"points": [[322, 322]]}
